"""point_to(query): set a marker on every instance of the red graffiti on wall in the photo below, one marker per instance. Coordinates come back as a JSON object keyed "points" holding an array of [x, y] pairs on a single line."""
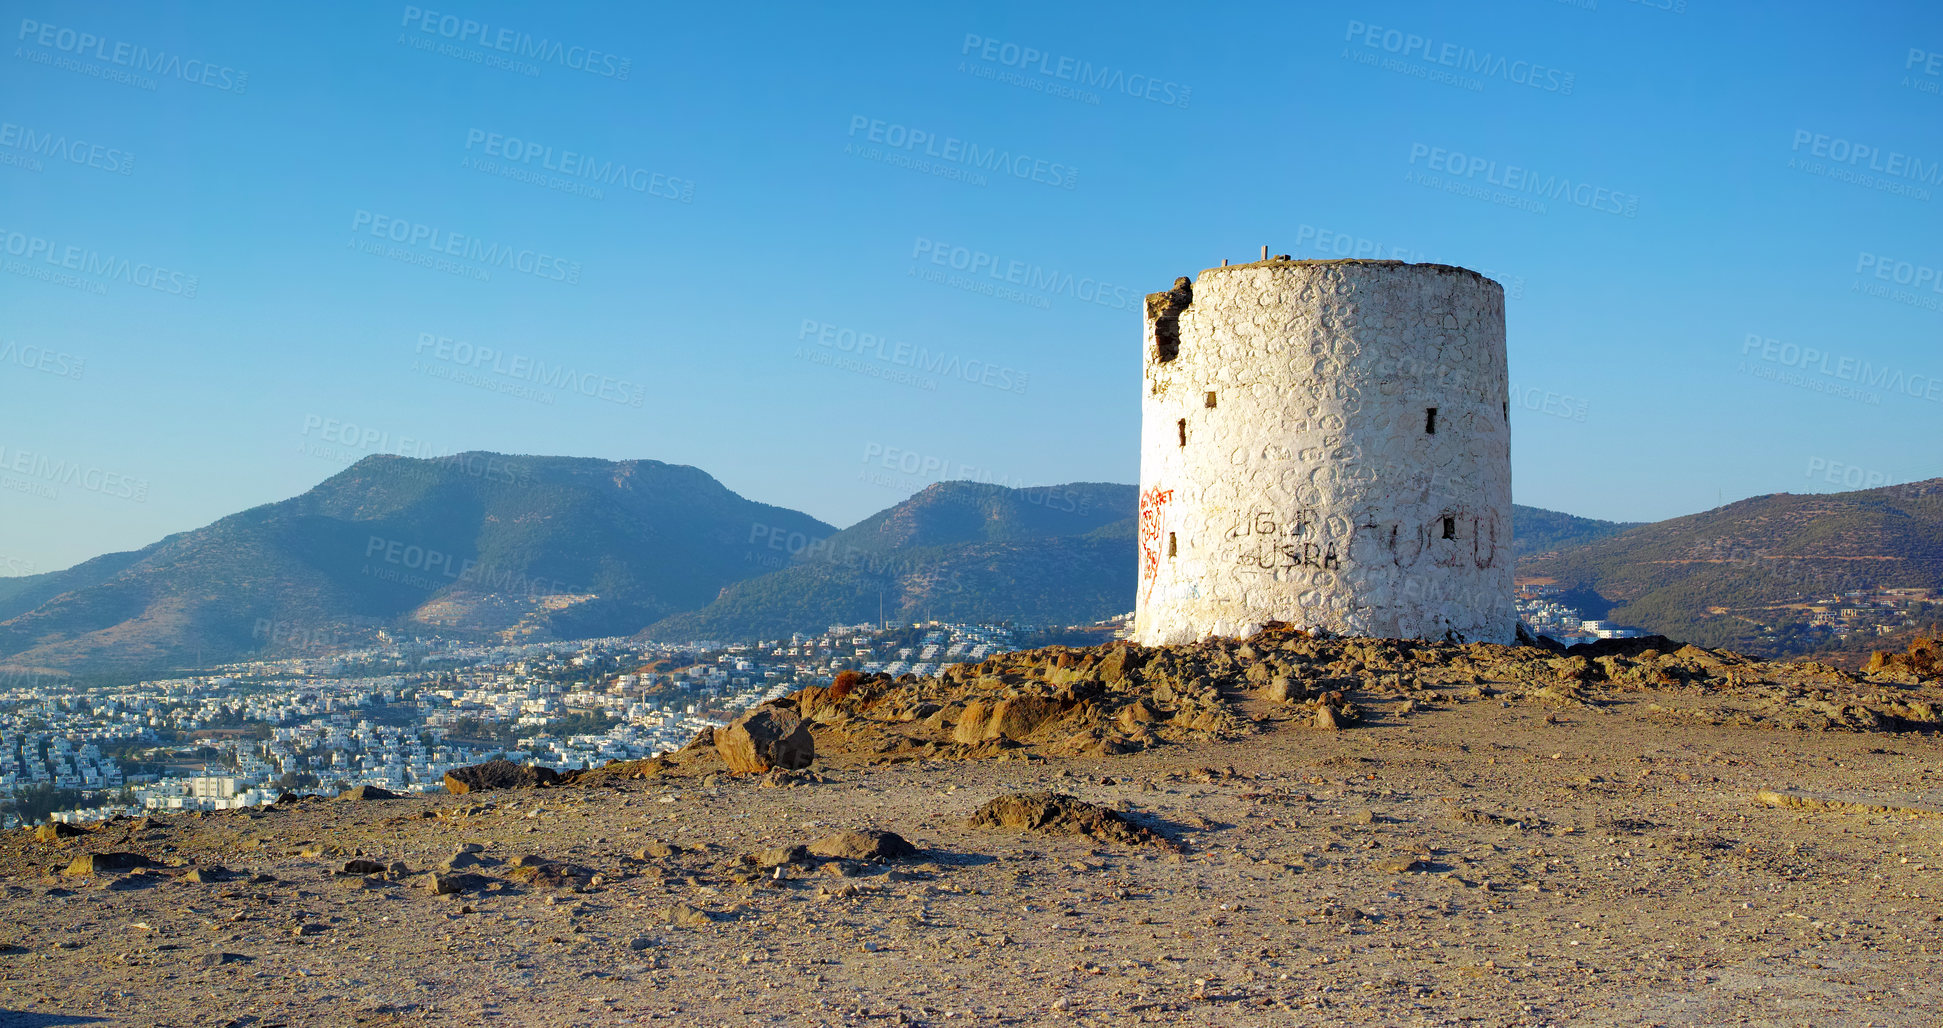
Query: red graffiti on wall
{"points": [[1151, 503]]}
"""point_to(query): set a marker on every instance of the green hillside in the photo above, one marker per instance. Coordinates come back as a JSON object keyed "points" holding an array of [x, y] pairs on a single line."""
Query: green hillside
{"points": [[1735, 576], [1537, 530]]}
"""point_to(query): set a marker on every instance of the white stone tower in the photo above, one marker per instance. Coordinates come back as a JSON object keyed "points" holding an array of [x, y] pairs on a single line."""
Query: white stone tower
{"points": [[1326, 444]]}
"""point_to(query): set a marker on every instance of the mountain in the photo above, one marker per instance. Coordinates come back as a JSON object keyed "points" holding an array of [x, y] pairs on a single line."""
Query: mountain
{"points": [[1727, 577], [957, 551], [497, 547], [971, 512], [24, 593], [962, 551], [1537, 530], [481, 545]]}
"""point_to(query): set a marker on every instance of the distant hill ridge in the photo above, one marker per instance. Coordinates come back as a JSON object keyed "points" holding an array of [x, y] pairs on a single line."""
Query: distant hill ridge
{"points": [[1536, 530], [1699, 578], [962, 551], [956, 551], [489, 545], [505, 547]]}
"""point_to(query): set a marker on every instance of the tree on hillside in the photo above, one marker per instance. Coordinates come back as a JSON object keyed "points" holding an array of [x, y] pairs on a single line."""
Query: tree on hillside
{"points": [[32, 803]]}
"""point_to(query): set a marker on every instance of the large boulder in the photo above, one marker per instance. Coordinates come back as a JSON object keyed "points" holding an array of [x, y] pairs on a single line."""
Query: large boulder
{"points": [[55, 831], [1013, 718], [1924, 659], [767, 737], [869, 844], [1119, 661], [553, 874], [443, 884], [825, 705], [1020, 716], [1063, 814], [777, 856], [498, 774], [973, 722], [96, 863], [702, 740]]}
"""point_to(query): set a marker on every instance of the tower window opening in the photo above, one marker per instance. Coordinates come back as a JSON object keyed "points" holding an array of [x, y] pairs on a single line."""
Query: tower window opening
{"points": [[1209, 401], [1450, 528], [1507, 410], [1430, 421], [1171, 548], [1182, 425]]}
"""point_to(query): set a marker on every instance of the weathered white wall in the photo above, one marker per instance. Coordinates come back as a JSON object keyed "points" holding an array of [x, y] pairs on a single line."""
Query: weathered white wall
{"points": [[1311, 492]]}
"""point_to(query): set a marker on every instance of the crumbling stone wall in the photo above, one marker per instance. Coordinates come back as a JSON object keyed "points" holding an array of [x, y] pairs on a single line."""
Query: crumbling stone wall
{"points": [[1326, 444]]}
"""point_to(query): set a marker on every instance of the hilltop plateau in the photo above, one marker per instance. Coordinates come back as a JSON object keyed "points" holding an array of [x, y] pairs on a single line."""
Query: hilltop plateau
{"points": [[1282, 830]]}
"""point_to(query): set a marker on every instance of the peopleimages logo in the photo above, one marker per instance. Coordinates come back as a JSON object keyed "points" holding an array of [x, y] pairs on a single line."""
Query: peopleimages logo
{"points": [[1036, 277], [912, 467], [1810, 360], [1344, 244], [30, 144], [577, 168], [426, 567], [1544, 401], [117, 54], [40, 473], [1460, 58], [917, 358], [955, 151], [1069, 69], [1925, 281], [521, 368], [1849, 476], [1864, 164], [1867, 156], [338, 440], [1519, 182], [32, 250], [517, 43], [417, 236], [353, 437], [1901, 272], [824, 548], [40, 358], [287, 636]]}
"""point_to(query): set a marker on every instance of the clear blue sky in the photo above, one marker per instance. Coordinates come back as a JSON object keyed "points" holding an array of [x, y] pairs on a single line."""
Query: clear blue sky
{"points": [[764, 205]]}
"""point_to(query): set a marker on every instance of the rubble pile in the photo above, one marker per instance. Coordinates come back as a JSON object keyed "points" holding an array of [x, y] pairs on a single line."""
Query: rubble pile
{"points": [[1124, 698]]}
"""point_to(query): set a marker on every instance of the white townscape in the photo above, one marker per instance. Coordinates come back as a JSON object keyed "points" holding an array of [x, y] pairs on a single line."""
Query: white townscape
{"points": [[402, 715]]}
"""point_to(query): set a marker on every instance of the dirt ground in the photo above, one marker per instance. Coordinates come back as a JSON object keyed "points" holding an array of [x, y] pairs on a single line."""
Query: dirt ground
{"points": [[1493, 858]]}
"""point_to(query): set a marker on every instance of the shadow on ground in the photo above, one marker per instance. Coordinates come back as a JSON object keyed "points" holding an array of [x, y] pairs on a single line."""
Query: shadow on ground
{"points": [[35, 1019]]}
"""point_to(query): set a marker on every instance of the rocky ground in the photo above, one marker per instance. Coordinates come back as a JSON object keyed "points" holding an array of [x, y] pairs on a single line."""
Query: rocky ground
{"points": [[1290, 831]]}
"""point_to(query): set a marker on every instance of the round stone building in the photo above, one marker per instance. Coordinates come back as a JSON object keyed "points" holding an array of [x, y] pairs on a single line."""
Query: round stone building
{"points": [[1326, 444]]}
